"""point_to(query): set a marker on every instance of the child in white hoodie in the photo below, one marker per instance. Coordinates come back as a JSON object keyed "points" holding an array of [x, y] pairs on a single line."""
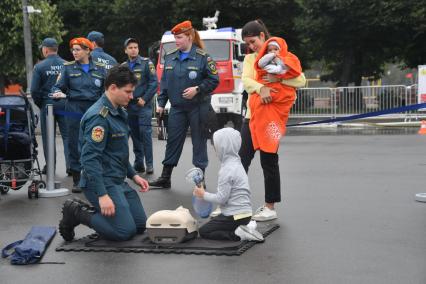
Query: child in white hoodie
{"points": [[233, 193]]}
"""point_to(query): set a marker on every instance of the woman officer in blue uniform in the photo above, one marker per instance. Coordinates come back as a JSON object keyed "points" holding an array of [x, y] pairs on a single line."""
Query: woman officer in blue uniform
{"points": [[82, 80], [188, 79]]}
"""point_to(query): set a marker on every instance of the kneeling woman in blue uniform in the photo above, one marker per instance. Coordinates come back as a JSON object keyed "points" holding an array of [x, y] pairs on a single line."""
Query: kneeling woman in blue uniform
{"points": [[118, 213], [188, 79]]}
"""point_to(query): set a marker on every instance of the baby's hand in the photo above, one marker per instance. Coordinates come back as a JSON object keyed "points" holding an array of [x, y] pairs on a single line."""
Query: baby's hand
{"points": [[199, 191]]}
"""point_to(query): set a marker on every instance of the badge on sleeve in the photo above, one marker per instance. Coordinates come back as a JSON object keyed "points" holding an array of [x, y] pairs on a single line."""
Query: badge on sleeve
{"points": [[98, 133], [151, 68], [212, 66]]}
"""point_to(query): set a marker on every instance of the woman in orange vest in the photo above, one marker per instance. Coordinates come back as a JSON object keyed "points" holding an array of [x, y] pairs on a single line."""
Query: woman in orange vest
{"points": [[265, 89]]}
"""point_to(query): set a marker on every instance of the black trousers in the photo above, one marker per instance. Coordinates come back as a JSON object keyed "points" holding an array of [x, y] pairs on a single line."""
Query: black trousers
{"points": [[222, 228], [268, 161]]}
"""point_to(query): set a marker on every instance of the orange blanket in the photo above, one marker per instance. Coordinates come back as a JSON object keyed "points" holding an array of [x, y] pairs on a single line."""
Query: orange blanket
{"points": [[268, 121]]}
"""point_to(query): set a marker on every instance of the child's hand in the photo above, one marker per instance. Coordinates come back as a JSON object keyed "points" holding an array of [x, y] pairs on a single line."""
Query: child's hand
{"points": [[199, 191]]}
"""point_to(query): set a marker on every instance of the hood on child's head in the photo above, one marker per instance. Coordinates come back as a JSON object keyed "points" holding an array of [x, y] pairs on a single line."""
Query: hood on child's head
{"points": [[277, 41], [227, 142], [274, 43]]}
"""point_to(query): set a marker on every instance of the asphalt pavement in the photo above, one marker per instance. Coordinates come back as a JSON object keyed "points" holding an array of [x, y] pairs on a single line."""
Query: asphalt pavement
{"points": [[348, 216]]}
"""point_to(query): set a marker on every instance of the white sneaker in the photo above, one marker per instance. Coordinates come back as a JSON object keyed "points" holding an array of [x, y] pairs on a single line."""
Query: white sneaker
{"points": [[264, 214], [247, 234], [216, 212]]}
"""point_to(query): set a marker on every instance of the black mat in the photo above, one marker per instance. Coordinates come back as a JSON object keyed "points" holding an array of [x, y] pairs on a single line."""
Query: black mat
{"points": [[141, 243]]}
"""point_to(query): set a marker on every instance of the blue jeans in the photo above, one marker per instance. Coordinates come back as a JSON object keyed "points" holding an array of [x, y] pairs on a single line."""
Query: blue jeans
{"points": [[129, 218], [63, 128], [141, 133]]}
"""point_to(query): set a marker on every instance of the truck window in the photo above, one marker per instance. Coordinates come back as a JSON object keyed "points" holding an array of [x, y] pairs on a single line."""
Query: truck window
{"points": [[218, 49]]}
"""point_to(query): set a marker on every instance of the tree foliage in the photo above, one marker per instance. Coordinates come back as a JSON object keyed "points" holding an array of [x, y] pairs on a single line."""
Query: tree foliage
{"points": [[12, 54], [351, 38], [355, 38], [148, 20]]}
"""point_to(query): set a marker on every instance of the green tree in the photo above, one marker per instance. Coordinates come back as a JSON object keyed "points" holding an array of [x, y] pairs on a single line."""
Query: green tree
{"points": [[12, 55], [148, 20], [356, 38]]}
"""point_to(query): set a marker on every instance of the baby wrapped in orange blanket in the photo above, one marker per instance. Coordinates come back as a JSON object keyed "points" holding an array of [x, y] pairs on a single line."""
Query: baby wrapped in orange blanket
{"points": [[268, 121]]}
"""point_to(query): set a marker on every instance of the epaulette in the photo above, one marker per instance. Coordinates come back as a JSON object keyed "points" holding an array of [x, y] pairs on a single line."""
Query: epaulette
{"points": [[144, 58], [124, 63], [200, 51], [99, 64], [69, 62], [104, 111], [172, 51]]}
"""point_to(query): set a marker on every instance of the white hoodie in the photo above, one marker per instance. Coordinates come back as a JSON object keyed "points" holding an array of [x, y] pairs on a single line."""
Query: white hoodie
{"points": [[233, 191]]}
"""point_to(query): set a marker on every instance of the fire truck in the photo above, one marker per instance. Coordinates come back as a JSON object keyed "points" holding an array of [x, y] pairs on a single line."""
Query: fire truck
{"points": [[227, 49]]}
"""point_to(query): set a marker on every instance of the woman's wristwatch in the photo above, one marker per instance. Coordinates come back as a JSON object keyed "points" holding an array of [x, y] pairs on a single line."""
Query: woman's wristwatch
{"points": [[197, 89]]}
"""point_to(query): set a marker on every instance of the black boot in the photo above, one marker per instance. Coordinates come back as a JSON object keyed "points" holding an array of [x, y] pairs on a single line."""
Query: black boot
{"points": [[84, 203], [164, 180], [73, 214], [75, 182]]}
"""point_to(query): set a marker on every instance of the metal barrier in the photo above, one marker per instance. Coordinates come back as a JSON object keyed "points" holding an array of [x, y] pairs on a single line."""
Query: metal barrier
{"points": [[344, 101]]}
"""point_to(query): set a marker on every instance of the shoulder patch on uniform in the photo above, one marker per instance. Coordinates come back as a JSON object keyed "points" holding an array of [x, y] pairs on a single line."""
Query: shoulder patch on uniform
{"points": [[212, 66], [151, 67], [172, 51], [200, 51], [98, 133], [69, 62], [104, 111], [100, 64]]}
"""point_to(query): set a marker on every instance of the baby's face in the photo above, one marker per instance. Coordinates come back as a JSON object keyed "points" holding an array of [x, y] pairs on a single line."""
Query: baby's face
{"points": [[273, 49]]}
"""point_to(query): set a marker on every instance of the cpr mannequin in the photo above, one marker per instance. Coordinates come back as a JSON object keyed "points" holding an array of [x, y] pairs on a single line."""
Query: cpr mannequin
{"points": [[171, 226]]}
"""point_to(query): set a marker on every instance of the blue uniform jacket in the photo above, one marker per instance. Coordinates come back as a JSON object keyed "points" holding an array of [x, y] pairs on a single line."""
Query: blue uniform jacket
{"points": [[104, 146], [79, 85], [198, 69], [44, 78], [100, 56], [146, 87]]}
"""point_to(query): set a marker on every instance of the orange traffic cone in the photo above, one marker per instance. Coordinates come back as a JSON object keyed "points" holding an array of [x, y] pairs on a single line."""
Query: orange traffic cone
{"points": [[422, 129]]}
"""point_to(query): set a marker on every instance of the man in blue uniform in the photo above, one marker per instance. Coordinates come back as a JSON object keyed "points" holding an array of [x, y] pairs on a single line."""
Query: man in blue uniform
{"points": [[140, 108], [119, 213], [98, 54], [44, 77], [82, 81], [189, 78]]}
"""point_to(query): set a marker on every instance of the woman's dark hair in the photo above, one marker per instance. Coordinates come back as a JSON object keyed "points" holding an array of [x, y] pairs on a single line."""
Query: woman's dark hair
{"points": [[120, 76], [254, 28]]}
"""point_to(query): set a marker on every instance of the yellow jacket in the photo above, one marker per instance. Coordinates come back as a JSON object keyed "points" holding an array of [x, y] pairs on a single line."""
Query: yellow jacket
{"points": [[251, 85]]}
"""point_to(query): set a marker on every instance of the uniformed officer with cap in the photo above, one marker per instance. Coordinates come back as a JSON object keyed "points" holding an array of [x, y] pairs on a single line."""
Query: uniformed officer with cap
{"points": [[44, 77], [189, 78], [104, 133], [98, 54], [82, 81], [140, 108]]}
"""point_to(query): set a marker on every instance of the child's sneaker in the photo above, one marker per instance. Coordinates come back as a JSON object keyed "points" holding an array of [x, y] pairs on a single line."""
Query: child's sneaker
{"points": [[216, 212], [247, 234], [264, 214]]}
